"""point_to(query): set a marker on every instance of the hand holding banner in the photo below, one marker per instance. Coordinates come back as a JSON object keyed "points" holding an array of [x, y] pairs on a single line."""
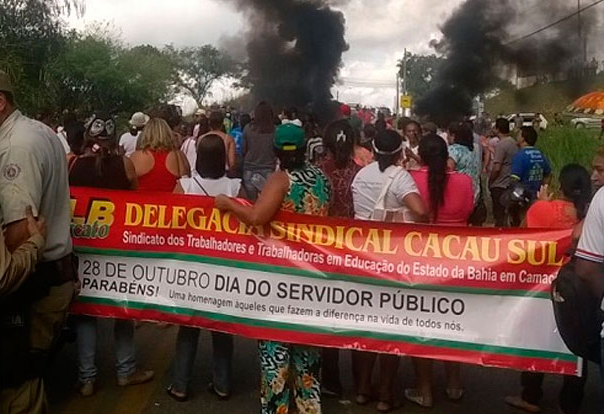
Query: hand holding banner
{"points": [[475, 295]]}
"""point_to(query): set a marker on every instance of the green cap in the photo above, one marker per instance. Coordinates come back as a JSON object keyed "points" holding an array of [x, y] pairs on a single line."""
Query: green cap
{"points": [[5, 84], [289, 137]]}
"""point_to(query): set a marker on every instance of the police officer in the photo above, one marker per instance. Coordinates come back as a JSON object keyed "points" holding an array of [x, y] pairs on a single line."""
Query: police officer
{"points": [[16, 266], [33, 172]]}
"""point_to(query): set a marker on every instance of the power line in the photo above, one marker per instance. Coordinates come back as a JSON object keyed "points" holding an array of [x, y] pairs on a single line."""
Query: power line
{"points": [[556, 22]]}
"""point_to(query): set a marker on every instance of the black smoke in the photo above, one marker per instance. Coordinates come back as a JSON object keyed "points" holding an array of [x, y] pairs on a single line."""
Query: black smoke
{"points": [[481, 45], [294, 50]]}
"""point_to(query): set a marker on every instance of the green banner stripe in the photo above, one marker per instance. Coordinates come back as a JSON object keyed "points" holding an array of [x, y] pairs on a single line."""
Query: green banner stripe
{"points": [[308, 273], [467, 346]]}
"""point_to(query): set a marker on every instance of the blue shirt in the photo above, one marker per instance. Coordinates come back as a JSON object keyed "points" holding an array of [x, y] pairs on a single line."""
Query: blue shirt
{"points": [[530, 166], [237, 135]]}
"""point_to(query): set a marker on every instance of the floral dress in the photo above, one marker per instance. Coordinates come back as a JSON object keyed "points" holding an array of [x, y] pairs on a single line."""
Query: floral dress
{"points": [[466, 162], [309, 193]]}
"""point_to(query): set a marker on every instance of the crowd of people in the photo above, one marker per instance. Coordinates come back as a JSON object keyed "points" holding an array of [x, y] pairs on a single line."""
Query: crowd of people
{"points": [[353, 167]]}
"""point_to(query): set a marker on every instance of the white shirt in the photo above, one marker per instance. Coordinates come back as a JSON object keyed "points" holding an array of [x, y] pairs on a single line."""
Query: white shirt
{"points": [[128, 143], [211, 186], [368, 184], [62, 135], [591, 243], [33, 172], [411, 163], [189, 148]]}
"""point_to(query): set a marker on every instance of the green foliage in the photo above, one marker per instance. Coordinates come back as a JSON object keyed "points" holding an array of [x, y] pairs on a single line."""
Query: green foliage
{"points": [[421, 72], [30, 34], [98, 73], [197, 68], [566, 145], [55, 69], [547, 98]]}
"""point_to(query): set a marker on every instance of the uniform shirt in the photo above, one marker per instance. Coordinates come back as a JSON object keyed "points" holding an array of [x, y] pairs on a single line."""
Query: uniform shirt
{"points": [[504, 154], [368, 184], [530, 166], [591, 243], [128, 143], [33, 172], [15, 267]]}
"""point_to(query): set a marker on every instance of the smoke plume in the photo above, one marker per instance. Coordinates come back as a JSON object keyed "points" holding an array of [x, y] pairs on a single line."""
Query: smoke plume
{"points": [[294, 50], [481, 46]]}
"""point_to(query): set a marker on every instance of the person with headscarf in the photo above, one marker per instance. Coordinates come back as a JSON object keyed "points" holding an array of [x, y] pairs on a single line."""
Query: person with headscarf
{"points": [[383, 191]]}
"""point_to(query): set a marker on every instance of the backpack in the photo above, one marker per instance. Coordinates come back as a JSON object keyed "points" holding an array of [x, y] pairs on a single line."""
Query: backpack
{"points": [[578, 314]]}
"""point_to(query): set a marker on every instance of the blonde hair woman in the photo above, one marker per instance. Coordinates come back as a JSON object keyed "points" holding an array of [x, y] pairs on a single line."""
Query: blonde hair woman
{"points": [[158, 164]]}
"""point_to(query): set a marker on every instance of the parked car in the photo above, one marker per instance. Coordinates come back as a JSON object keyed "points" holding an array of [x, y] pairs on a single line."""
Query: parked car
{"points": [[527, 120], [591, 123]]}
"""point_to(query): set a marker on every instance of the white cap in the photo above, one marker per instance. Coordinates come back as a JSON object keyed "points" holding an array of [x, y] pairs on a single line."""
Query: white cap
{"points": [[200, 111], [139, 120]]}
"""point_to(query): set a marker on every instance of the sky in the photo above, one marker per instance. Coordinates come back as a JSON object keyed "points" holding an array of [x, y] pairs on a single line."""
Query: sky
{"points": [[377, 33]]}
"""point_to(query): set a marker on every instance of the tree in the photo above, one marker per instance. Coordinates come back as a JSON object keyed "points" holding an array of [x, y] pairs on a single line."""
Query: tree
{"points": [[421, 73], [197, 68], [31, 33], [97, 72]]}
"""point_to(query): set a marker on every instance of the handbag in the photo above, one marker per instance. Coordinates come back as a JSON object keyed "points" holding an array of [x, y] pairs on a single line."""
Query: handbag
{"points": [[390, 215]]}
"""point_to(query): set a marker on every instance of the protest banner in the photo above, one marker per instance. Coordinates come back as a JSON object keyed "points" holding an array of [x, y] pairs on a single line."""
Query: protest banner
{"points": [[473, 295]]}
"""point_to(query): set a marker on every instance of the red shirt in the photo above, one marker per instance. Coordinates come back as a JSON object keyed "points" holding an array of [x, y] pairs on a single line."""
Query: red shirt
{"points": [[458, 201], [159, 178], [552, 214]]}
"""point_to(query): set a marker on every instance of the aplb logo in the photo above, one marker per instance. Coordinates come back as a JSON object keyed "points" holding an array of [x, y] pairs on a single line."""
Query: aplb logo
{"points": [[97, 221]]}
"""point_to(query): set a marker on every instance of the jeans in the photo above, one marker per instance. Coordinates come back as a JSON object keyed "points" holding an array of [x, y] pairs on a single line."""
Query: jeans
{"points": [[254, 180], [125, 359], [499, 210], [186, 349], [330, 370], [571, 393], [602, 362]]}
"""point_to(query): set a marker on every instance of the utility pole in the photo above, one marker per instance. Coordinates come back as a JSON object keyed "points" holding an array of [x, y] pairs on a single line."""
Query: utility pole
{"points": [[398, 99], [405, 72], [404, 79], [582, 42]]}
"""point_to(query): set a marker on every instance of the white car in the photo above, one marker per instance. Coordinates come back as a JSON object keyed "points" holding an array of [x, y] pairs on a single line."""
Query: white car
{"points": [[527, 120], [591, 123]]}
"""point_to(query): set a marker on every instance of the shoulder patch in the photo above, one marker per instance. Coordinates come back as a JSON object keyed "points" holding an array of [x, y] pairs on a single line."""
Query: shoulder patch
{"points": [[11, 171]]}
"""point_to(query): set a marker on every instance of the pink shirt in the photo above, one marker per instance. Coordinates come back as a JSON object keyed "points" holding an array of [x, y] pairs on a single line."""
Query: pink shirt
{"points": [[459, 197]]}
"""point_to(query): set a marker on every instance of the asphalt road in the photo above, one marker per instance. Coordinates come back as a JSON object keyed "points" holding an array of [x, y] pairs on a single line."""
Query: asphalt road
{"points": [[485, 387]]}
